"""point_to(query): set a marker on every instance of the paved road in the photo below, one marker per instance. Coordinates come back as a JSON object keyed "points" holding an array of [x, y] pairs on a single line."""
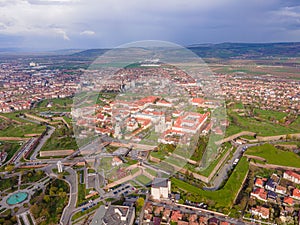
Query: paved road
{"points": [[17, 157], [222, 174], [72, 179], [42, 141]]}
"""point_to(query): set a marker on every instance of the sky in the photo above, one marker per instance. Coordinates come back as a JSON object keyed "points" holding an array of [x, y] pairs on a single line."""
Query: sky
{"points": [[82, 24]]}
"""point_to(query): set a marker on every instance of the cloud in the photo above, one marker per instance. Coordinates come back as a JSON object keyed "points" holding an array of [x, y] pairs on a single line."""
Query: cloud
{"points": [[183, 22], [62, 33], [88, 33]]}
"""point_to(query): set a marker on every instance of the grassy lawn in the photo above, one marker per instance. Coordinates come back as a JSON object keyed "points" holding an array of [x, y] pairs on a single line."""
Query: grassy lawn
{"points": [[60, 139], [135, 170], [160, 155], [57, 104], [222, 198], [152, 172], [268, 114], [19, 130], [212, 165], [275, 156], [11, 147], [262, 128], [143, 179], [15, 116], [295, 124], [81, 189]]}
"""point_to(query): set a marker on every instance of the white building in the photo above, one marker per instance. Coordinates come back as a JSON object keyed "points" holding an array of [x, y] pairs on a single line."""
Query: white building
{"points": [[292, 176], [161, 188]]}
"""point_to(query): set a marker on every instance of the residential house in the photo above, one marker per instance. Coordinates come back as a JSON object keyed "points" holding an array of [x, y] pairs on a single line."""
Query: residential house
{"points": [[292, 176], [271, 185], [288, 201], [213, 221], [280, 190], [261, 211], [296, 194], [259, 182], [260, 194], [176, 216]]}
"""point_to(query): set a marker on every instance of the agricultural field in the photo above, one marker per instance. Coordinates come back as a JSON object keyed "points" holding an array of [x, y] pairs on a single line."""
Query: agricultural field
{"points": [[275, 156]]}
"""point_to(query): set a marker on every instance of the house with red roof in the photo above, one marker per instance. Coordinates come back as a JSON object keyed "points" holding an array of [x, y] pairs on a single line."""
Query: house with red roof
{"points": [[288, 201], [280, 190], [296, 194], [259, 182], [197, 102], [260, 194], [260, 211], [176, 216], [292, 176]]}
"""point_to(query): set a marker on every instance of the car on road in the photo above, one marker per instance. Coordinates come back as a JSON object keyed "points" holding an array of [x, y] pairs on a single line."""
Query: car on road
{"points": [[235, 162]]}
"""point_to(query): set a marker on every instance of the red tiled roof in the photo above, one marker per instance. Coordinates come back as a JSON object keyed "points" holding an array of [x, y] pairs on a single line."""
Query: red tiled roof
{"points": [[296, 193], [288, 200]]}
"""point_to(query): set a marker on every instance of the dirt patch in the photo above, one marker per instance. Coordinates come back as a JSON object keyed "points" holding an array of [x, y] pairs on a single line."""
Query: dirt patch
{"points": [[13, 139], [255, 157]]}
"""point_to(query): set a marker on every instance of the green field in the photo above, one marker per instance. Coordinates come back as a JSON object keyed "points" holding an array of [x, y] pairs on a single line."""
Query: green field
{"points": [[11, 147], [274, 155], [222, 198], [206, 172], [12, 129], [57, 104], [60, 139], [152, 172], [268, 114], [143, 179], [263, 127]]}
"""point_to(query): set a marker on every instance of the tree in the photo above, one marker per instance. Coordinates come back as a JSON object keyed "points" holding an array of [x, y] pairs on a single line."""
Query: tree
{"points": [[139, 204], [9, 168], [47, 198]]}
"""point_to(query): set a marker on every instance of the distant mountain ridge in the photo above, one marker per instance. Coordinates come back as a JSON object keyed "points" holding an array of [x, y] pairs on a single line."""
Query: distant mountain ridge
{"points": [[228, 50]]}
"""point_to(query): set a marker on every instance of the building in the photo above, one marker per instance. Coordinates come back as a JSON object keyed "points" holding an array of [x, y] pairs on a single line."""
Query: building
{"points": [[213, 221], [296, 194], [114, 214], [288, 201], [116, 161], [260, 211], [260, 194], [161, 188], [190, 122], [259, 182], [292, 176], [280, 190], [271, 185]]}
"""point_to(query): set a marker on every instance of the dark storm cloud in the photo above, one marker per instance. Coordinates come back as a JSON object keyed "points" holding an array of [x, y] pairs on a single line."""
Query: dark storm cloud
{"points": [[93, 23]]}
